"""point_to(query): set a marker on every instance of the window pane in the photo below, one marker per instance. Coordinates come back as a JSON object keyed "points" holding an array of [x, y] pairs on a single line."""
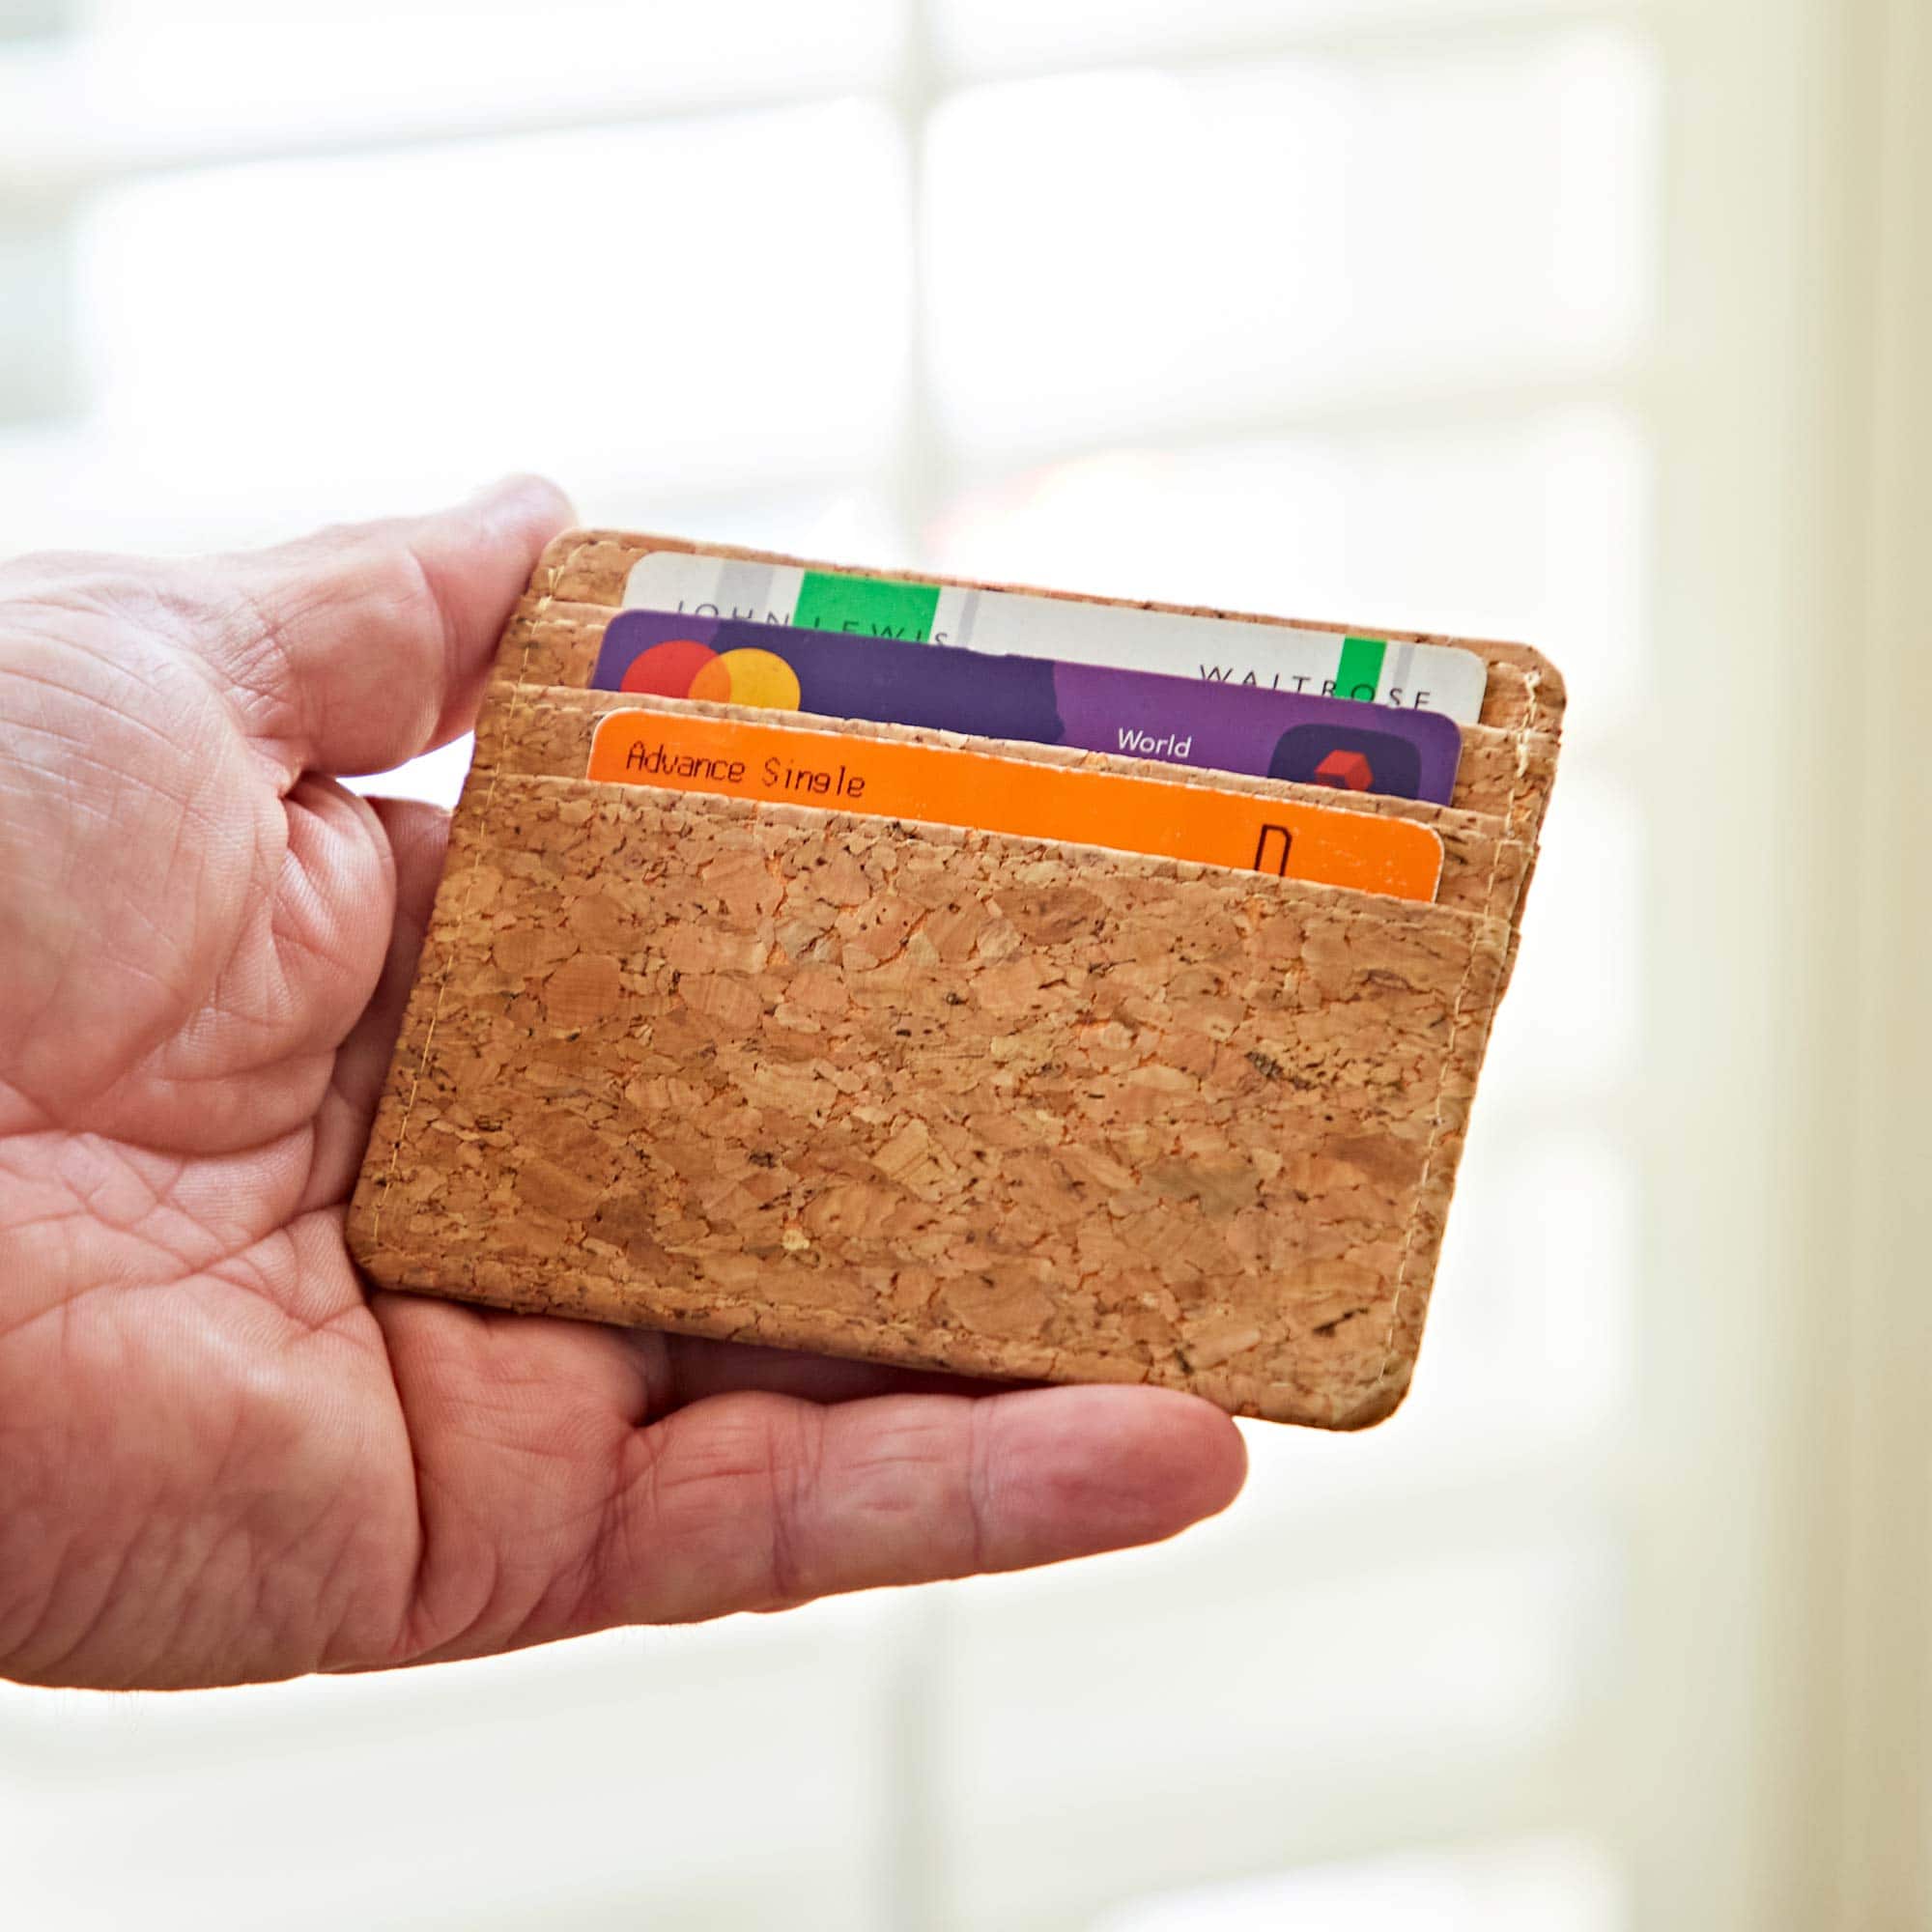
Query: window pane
{"points": [[1267, 1711], [606, 1783], [1548, 1885], [1005, 35], [215, 70], [36, 324], [1534, 1300], [1140, 249], [1569, 1031], [656, 305]]}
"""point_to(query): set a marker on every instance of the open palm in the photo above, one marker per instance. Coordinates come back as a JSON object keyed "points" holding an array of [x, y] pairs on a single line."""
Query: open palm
{"points": [[222, 1457]]}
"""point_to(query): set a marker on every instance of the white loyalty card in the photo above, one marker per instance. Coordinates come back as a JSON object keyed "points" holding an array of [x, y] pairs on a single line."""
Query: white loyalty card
{"points": [[1232, 650]]}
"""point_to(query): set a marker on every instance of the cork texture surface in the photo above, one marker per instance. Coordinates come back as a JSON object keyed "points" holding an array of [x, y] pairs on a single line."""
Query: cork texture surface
{"points": [[929, 1095]]}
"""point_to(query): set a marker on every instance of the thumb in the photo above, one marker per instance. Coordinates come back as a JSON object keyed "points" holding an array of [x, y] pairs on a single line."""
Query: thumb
{"points": [[353, 650]]}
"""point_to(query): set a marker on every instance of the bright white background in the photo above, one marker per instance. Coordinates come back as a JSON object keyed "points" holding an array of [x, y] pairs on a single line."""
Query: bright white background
{"points": [[1588, 323]]}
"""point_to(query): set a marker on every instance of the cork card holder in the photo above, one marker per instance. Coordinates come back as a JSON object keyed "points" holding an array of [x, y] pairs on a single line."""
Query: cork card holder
{"points": [[939, 1096]]}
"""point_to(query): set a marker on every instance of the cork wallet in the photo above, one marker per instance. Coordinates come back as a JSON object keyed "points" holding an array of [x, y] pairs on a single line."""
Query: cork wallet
{"points": [[938, 1096]]}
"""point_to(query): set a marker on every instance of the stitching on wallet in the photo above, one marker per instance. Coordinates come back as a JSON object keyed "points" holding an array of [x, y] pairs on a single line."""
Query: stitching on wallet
{"points": [[483, 818], [1532, 680]]}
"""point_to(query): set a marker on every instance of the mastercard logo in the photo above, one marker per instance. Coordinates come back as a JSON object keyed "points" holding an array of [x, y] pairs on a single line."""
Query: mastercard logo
{"points": [[683, 668]]}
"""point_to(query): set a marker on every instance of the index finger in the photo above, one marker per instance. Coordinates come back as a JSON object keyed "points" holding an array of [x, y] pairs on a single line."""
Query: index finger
{"points": [[356, 649]]}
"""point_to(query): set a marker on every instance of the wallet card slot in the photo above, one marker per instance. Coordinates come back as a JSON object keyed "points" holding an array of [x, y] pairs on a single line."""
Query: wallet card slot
{"points": [[929, 1095], [836, 831], [532, 732], [589, 567], [1502, 773]]}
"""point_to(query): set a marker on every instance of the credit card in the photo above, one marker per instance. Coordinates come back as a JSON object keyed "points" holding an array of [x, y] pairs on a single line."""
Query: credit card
{"points": [[1137, 714], [1226, 650], [781, 764]]}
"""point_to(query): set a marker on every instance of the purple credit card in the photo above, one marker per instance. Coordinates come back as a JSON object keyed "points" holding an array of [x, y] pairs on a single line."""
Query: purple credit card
{"points": [[1136, 714]]}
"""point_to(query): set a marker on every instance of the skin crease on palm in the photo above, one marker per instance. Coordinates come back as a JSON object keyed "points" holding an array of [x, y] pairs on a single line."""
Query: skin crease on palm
{"points": [[223, 1456]]}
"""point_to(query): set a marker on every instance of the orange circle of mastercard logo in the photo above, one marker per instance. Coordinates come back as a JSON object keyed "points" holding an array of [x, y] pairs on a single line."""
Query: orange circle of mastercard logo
{"points": [[747, 677], [683, 668]]}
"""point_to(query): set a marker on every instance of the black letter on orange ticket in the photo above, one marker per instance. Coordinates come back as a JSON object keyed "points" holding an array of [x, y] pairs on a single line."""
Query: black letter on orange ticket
{"points": [[1272, 857]]}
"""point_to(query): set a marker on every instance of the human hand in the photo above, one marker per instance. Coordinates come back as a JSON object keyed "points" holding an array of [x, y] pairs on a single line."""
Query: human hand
{"points": [[222, 1457]]}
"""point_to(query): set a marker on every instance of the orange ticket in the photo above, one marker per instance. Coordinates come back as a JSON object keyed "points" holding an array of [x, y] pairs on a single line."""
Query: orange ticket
{"points": [[778, 764]]}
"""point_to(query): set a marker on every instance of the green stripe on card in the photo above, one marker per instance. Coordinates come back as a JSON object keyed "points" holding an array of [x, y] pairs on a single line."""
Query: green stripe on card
{"points": [[874, 607], [1359, 673]]}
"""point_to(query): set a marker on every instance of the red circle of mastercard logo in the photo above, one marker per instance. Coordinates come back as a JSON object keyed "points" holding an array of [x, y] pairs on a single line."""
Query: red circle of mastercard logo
{"points": [[666, 669], [683, 668]]}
